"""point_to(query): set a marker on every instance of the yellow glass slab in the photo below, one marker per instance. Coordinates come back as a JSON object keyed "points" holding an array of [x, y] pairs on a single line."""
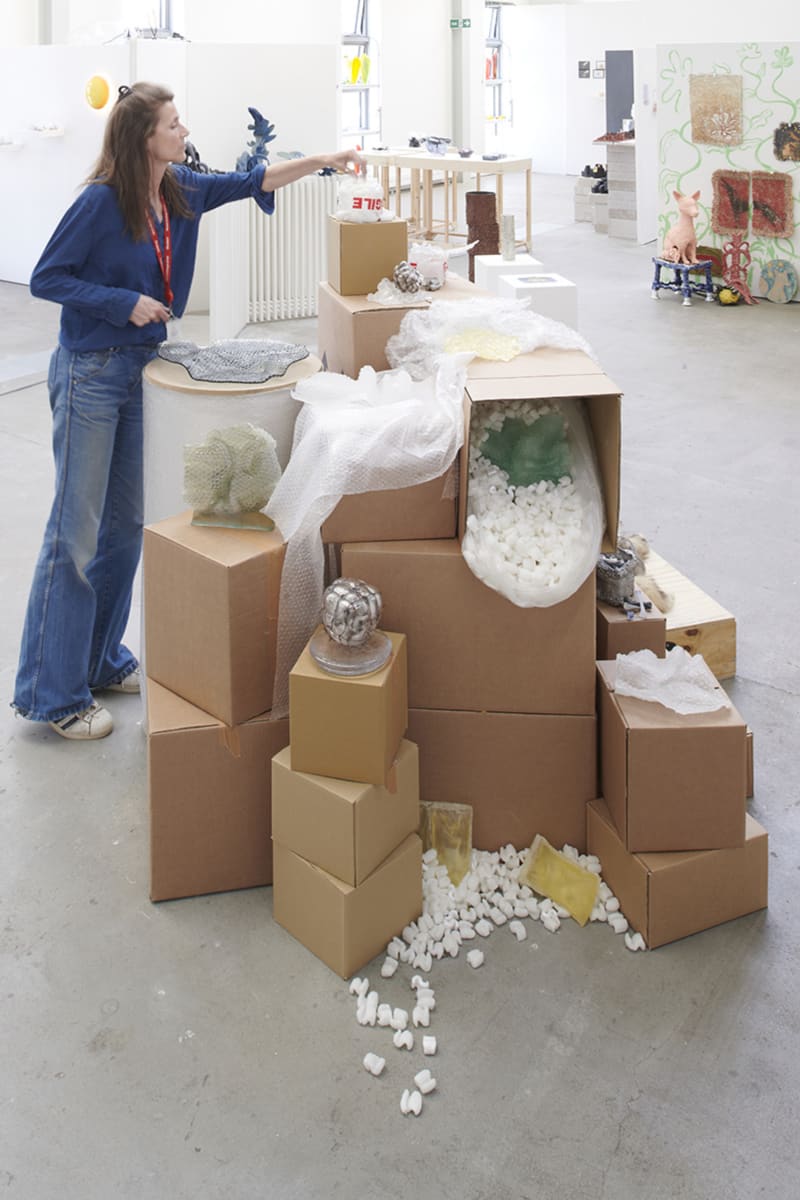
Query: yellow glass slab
{"points": [[549, 873], [447, 829], [246, 520]]}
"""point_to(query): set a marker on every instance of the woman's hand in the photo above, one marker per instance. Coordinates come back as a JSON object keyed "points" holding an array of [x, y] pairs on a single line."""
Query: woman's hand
{"points": [[148, 311], [350, 162]]}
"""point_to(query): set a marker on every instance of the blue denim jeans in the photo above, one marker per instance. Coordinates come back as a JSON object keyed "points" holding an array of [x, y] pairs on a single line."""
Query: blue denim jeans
{"points": [[81, 594]]}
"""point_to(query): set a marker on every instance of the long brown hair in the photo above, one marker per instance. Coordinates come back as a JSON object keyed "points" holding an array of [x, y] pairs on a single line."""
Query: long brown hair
{"points": [[124, 163]]}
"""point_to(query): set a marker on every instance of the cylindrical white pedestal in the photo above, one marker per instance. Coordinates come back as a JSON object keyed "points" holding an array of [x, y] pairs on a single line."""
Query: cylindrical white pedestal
{"points": [[180, 411]]}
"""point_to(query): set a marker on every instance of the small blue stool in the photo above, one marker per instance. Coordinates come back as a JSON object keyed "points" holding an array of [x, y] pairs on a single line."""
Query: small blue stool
{"points": [[681, 281]]}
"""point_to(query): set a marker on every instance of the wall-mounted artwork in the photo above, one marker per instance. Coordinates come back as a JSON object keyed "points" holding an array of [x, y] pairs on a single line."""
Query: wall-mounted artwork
{"points": [[786, 141], [715, 102], [730, 209], [772, 204]]}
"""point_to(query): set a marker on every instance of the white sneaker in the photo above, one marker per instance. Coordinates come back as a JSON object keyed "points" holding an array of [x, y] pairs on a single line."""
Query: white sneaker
{"points": [[132, 684], [94, 722]]}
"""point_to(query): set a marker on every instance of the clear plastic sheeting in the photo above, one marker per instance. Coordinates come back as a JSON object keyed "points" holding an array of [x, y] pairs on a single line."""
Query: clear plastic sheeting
{"points": [[680, 681], [380, 431], [490, 322], [235, 360], [533, 542]]}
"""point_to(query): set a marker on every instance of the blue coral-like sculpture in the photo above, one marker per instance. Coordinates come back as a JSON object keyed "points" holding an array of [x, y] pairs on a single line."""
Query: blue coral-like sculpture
{"points": [[256, 150]]}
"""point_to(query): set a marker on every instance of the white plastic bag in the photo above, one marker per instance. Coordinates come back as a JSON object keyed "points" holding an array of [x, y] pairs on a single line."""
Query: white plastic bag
{"points": [[536, 542], [361, 200]]}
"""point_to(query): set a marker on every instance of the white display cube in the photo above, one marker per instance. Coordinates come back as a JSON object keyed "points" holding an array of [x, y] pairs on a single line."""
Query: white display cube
{"points": [[549, 294], [489, 268]]}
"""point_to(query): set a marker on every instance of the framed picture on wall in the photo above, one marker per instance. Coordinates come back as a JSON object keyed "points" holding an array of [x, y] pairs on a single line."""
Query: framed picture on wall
{"points": [[599, 73], [584, 68], [599, 64]]}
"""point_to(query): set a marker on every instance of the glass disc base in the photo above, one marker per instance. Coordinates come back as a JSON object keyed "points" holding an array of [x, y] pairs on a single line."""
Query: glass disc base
{"points": [[350, 660]]}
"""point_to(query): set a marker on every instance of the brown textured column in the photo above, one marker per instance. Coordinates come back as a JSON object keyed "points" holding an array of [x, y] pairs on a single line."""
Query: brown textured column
{"points": [[482, 226]]}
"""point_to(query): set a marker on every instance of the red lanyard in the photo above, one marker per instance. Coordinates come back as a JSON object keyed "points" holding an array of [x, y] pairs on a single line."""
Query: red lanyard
{"points": [[164, 260]]}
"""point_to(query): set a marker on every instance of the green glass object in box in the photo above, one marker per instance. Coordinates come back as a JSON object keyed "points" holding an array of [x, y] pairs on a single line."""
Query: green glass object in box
{"points": [[529, 453], [447, 829]]}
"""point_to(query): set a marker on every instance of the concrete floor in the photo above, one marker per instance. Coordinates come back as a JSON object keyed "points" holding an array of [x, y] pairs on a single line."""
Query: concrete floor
{"points": [[193, 1049]]}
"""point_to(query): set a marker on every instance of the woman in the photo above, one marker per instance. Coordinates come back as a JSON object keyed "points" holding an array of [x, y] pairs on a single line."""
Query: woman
{"points": [[120, 263]]}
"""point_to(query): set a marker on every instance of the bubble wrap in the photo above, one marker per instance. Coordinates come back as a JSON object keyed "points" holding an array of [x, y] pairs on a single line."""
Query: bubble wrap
{"points": [[237, 360], [680, 681], [378, 432], [234, 470], [424, 335], [533, 544], [388, 293]]}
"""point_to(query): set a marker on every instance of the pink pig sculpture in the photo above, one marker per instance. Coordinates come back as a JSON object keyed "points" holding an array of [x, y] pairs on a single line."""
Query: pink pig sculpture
{"points": [[680, 244]]}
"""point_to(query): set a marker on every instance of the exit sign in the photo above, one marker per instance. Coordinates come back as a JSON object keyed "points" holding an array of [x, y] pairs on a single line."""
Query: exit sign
{"points": [[454, 22], [467, 24]]}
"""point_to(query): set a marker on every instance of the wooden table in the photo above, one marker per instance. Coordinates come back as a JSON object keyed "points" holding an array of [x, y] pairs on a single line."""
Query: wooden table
{"points": [[422, 165]]}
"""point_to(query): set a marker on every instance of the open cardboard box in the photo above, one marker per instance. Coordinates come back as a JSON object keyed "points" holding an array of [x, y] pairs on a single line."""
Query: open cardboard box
{"points": [[211, 614], [550, 374], [671, 782], [209, 796], [669, 896], [347, 926], [347, 828], [468, 646]]}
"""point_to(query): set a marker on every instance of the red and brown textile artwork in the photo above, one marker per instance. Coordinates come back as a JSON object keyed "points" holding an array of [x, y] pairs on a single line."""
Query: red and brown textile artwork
{"points": [[773, 204], [730, 208]]}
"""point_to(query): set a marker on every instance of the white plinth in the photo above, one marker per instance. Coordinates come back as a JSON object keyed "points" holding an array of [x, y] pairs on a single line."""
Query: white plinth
{"points": [[489, 268], [180, 411], [549, 294]]}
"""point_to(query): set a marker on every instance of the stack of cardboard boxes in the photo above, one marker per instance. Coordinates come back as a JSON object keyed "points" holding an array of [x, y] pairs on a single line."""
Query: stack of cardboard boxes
{"points": [[502, 698], [345, 812], [211, 618], [672, 831]]}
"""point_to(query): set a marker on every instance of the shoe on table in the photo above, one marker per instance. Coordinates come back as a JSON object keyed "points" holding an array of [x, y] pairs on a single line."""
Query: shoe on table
{"points": [[94, 722], [132, 684]]}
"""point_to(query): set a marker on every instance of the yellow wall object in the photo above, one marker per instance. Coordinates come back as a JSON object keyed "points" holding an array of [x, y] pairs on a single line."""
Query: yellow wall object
{"points": [[97, 92], [549, 873]]}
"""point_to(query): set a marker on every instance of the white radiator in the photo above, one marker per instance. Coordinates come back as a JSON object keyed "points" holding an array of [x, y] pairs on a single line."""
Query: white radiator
{"points": [[288, 249]]}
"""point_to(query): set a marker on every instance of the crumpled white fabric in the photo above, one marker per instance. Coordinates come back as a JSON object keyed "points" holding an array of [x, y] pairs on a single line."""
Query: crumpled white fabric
{"points": [[376, 432], [680, 681], [423, 334]]}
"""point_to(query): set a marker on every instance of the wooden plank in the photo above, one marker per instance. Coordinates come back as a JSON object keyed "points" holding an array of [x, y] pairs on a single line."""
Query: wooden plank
{"points": [[696, 621]]}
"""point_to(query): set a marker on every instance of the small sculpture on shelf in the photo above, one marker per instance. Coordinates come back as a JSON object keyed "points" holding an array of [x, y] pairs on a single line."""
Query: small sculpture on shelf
{"points": [[349, 642], [680, 244]]}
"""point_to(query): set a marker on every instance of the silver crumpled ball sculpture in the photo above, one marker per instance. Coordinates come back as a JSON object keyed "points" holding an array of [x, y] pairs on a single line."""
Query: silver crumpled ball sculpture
{"points": [[351, 610], [408, 278]]}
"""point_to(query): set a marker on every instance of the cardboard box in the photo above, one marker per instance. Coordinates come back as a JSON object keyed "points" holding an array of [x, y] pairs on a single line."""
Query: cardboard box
{"points": [[348, 727], [549, 374], [361, 254], [209, 796], [671, 782], [469, 647], [521, 774], [352, 331], [343, 925], [750, 766], [669, 896], [696, 621], [619, 634], [211, 614], [427, 510], [346, 828]]}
